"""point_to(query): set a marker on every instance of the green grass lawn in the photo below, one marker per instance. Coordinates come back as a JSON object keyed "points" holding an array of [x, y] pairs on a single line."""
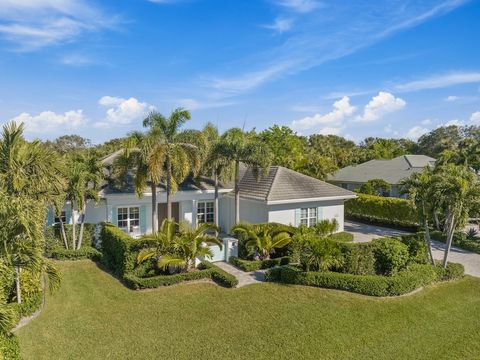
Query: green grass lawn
{"points": [[94, 317]]}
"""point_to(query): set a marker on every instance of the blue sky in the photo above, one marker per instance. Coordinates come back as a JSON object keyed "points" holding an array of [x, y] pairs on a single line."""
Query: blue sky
{"points": [[354, 68]]}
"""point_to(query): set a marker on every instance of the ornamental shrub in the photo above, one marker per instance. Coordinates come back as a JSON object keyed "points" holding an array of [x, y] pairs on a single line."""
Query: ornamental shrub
{"points": [[391, 256], [85, 252], [9, 347], [417, 248], [359, 259], [382, 210], [342, 236], [253, 265]]}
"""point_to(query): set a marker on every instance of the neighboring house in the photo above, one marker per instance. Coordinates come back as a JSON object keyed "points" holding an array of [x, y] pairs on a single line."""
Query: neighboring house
{"points": [[392, 171], [283, 196]]}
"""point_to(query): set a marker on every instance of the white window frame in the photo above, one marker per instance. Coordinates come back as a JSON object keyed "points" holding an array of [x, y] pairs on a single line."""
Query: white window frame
{"points": [[203, 216], [309, 216], [131, 227]]}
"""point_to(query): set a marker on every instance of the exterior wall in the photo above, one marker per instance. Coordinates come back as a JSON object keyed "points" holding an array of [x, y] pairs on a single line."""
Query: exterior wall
{"points": [[251, 211], [286, 213]]}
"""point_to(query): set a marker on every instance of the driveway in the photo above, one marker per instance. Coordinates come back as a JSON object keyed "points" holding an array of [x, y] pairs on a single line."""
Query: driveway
{"points": [[364, 233]]}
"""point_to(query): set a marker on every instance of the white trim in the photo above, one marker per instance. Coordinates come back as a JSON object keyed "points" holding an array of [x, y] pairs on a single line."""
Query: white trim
{"points": [[149, 194], [293, 201]]}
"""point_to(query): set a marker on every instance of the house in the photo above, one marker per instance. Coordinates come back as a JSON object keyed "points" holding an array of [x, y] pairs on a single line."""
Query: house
{"points": [[282, 196], [393, 171]]}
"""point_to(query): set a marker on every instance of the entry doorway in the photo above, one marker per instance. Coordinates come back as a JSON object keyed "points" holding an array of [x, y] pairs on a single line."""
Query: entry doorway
{"points": [[162, 212]]}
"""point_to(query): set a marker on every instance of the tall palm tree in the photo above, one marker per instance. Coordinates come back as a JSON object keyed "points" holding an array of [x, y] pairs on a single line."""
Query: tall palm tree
{"points": [[458, 192], [237, 146], [180, 152], [420, 190]]}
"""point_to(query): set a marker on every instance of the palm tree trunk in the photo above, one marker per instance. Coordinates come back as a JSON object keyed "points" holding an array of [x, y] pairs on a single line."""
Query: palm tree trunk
{"points": [[237, 192], [169, 189], [63, 234], [429, 243], [215, 179], [451, 231], [17, 284], [82, 226], [154, 208], [437, 221], [74, 229]]}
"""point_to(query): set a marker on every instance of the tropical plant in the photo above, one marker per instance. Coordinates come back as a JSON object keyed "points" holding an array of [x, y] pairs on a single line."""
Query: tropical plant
{"points": [[320, 254], [7, 319], [472, 234], [262, 240], [376, 187], [237, 146]]}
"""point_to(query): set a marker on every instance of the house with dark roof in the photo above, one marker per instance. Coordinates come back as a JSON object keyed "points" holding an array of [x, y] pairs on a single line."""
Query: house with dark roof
{"points": [[393, 171], [281, 195]]}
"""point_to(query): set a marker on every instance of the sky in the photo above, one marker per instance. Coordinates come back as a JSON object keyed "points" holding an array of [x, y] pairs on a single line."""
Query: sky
{"points": [[387, 68]]}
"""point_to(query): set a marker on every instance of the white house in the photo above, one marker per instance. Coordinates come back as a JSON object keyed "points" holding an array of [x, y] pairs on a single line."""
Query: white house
{"points": [[283, 196]]}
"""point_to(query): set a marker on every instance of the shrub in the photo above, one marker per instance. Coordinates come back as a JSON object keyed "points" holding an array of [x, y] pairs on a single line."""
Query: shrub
{"points": [[9, 347], [253, 265], [460, 240], [321, 254], [218, 275], [391, 256], [54, 238], [412, 278], [86, 252], [342, 236], [417, 248], [383, 210], [359, 259], [453, 271]]}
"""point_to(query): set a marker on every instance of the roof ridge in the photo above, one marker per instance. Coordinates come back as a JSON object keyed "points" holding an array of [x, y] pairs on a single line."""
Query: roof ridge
{"points": [[273, 181]]}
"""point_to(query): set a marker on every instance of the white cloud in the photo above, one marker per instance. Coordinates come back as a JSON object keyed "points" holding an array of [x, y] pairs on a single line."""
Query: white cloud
{"points": [[415, 132], [380, 105], [49, 121], [440, 81], [330, 130], [193, 104], [475, 118], [34, 24], [341, 110], [301, 6], [454, 122], [122, 111], [280, 25], [426, 122], [451, 98]]}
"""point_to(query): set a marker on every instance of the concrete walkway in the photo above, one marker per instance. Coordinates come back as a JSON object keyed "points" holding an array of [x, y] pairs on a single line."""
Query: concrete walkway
{"points": [[365, 233], [244, 278]]}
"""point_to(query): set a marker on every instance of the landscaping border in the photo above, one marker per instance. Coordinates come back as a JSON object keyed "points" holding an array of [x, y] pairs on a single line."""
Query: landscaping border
{"points": [[253, 265]]}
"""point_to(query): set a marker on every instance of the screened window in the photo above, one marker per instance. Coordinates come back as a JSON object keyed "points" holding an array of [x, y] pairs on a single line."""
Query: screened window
{"points": [[128, 218], [63, 217], [205, 212], [308, 216]]}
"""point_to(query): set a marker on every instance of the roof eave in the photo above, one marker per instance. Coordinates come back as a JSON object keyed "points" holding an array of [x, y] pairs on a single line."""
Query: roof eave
{"points": [[325, 198]]}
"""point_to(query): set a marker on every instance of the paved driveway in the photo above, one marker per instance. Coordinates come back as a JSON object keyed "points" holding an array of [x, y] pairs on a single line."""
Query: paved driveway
{"points": [[364, 233]]}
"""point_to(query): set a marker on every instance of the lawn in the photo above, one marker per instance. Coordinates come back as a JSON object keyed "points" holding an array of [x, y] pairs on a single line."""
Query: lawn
{"points": [[94, 317]]}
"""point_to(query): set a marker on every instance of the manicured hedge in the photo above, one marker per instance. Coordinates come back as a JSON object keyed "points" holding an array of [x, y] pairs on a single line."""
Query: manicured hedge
{"points": [[359, 258], [414, 277], [253, 265], [459, 240], [206, 271], [86, 252], [9, 347], [381, 210], [53, 232], [342, 236]]}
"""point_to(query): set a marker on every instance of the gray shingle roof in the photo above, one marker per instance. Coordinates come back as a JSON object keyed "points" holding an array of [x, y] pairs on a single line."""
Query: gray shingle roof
{"points": [[392, 171], [281, 184]]}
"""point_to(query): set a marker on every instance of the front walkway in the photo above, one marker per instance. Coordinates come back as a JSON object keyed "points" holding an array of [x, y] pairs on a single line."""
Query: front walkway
{"points": [[364, 233], [244, 278]]}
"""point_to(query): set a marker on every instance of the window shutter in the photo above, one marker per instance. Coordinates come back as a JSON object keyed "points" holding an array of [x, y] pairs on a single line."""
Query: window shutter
{"points": [[319, 213], [297, 217], [114, 216], [143, 219], [50, 216], [68, 214]]}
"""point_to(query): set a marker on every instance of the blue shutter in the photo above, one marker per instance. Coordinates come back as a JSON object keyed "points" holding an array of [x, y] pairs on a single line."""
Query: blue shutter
{"points": [[297, 217], [143, 219], [68, 213], [319, 213], [114, 216], [50, 216]]}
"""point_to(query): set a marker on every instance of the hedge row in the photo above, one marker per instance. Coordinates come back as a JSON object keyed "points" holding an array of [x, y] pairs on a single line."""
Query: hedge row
{"points": [[414, 277], [9, 347], [342, 236], [53, 233], [459, 240], [206, 271], [249, 265], [382, 210], [86, 252]]}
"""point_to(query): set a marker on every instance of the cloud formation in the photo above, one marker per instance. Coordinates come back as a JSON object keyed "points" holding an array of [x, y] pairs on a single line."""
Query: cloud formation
{"points": [[51, 122], [415, 132], [301, 6], [122, 111], [475, 117], [440, 81], [380, 105], [280, 25]]}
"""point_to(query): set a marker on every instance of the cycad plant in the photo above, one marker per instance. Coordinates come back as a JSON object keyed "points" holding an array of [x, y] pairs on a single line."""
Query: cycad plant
{"points": [[320, 254], [262, 240]]}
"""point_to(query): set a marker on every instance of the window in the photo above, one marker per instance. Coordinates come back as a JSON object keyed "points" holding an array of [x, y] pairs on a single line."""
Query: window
{"points": [[63, 217], [308, 216], [205, 212], [128, 218]]}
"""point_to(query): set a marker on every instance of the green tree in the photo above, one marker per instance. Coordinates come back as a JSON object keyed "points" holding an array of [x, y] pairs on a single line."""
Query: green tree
{"points": [[376, 187], [287, 148], [439, 140]]}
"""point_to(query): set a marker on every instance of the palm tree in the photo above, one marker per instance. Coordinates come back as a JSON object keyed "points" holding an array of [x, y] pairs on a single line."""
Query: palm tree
{"points": [[174, 249], [321, 254], [420, 190], [458, 192], [237, 146], [262, 240]]}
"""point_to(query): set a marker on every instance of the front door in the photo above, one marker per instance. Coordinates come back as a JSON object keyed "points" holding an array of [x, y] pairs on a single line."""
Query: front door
{"points": [[162, 212]]}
